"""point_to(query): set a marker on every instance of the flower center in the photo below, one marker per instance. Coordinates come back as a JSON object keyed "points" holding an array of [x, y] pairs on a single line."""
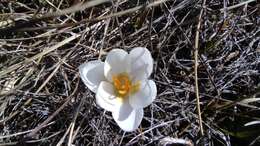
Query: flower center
{"points": [[123, 86]]}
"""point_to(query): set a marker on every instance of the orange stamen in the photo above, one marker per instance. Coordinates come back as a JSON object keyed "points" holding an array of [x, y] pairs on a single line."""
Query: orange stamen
{"points": [[123, 85]]}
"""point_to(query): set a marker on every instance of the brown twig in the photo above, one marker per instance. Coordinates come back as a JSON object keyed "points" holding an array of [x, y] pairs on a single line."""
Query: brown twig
{"points": [[196, 68]]}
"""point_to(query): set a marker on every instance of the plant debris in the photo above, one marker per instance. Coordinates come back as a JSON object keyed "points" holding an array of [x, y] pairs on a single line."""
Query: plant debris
{"points": [[44, 102]]}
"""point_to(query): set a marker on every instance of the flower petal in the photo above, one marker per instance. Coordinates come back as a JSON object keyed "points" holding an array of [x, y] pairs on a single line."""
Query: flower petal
{"points": [[145, 96], [115, 63], [105, 97], [92, 73], [132, 122], [124, 110], [141, 63]]}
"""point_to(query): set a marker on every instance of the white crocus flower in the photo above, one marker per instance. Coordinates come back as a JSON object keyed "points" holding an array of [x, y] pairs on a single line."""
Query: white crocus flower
{"points": [[121, 84]]}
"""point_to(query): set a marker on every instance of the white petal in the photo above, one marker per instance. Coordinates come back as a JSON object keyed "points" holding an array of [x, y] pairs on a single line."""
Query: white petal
{"points": [[92, 73], [141, 63], [105, 97], [145, 96], [124, 110], [132, 122], [116, 62]]}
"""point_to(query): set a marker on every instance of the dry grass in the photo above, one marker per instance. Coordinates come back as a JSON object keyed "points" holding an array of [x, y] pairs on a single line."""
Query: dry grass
{"points": [[44, 102]]}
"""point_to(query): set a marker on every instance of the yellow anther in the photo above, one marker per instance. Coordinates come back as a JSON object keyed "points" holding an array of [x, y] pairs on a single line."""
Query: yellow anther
{"points": [[123, 85]]}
